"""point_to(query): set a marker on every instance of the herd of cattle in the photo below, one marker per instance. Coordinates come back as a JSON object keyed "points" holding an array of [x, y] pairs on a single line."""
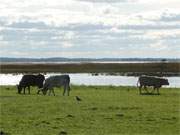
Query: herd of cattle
{"points": [[44, 84], [64, 80]]}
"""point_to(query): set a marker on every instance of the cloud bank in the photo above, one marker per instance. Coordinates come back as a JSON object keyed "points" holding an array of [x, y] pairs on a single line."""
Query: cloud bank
{"points": [[88, 28]]}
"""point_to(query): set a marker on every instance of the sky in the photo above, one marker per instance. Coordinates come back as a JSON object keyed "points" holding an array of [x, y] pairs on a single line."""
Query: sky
{"points": [[90, 28]]}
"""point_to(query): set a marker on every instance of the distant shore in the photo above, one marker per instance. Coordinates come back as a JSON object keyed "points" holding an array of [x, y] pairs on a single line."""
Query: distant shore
{"points": [[131, 69]]}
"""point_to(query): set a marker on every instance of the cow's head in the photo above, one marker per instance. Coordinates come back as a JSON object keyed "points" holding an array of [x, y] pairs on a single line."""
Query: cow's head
{"points": [[19, 89], [40, 85], [165, 82], [44, 91], [41, 77], [40, 80]]}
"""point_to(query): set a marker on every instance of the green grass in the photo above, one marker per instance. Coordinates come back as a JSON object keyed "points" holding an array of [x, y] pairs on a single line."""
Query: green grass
{"points": [[104, 110]]}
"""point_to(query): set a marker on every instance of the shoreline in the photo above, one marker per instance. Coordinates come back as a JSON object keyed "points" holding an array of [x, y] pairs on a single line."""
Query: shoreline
{"points": [[127, 69], [110, 86]]}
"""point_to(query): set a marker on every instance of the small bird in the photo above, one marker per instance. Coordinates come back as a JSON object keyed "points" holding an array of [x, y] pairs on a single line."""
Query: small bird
{"points": [[78, 99], [63, 133], [2, 133]]}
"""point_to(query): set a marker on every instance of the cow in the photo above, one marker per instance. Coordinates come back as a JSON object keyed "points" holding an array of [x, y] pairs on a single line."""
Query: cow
{"points": [[154, 81], [30, 80], [56, 81]]}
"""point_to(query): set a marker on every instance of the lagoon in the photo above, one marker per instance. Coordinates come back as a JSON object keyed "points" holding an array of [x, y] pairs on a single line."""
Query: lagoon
{"points": [[90, 79]]}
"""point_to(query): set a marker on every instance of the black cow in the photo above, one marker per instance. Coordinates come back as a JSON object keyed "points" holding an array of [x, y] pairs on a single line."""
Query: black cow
{"points": [[154, 81], [30, 80]]}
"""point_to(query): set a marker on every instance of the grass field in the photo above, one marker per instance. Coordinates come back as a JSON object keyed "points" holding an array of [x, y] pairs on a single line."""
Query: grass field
{"points": [[104, 110]]}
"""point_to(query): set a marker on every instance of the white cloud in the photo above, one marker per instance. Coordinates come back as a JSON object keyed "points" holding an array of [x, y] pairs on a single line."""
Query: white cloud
{"points": [[159, 46], [89, 28], [67, 44], [108, 1], [1, 38]]}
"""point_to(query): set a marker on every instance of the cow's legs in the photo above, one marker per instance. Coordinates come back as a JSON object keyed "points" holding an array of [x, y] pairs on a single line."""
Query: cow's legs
{"points": [[145, 88], [49, 92], [24, 89], [154, 88], [38, 91], [140, 89], [53, 92], [68, 89], [29, 89], [64, 90], [158, 90]]}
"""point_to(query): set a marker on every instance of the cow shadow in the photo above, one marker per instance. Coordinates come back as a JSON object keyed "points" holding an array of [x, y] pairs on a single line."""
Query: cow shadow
{"points": [[5, 97], [150, 94]]}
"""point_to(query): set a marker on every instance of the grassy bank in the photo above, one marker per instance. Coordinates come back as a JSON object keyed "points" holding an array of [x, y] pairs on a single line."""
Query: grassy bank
{"points": [[104, 110], [131, 68]]}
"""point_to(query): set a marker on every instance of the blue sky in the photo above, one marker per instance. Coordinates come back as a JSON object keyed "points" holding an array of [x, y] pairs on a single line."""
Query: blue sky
{"points": [[90, 28]]}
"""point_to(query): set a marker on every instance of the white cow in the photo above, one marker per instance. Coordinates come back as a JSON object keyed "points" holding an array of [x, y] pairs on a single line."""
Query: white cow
{"points": [[56, 81]]}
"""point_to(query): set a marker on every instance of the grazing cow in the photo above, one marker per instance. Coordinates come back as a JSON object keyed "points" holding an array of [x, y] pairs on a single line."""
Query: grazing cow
{"points": [[30, 80], [156, 82], [56, 81]]}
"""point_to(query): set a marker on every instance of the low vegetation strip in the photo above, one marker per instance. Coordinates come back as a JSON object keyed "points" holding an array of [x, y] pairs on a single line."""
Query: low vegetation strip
{"points": [[105, 110], [166, 68]]}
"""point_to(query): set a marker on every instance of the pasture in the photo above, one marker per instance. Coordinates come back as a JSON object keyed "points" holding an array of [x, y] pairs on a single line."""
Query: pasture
{"points": [[104, 110]]}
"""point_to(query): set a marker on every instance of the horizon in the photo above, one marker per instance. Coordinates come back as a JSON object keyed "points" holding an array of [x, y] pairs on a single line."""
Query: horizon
{"points": [[81, 58], [90, 29]]}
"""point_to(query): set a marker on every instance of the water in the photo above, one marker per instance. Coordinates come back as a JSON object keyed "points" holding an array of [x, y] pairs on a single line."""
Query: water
{"points": [[88, 79]]}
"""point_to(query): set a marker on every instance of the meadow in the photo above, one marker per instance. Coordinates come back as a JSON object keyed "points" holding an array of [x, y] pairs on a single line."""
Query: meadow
{"points": [[104, 110]]}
